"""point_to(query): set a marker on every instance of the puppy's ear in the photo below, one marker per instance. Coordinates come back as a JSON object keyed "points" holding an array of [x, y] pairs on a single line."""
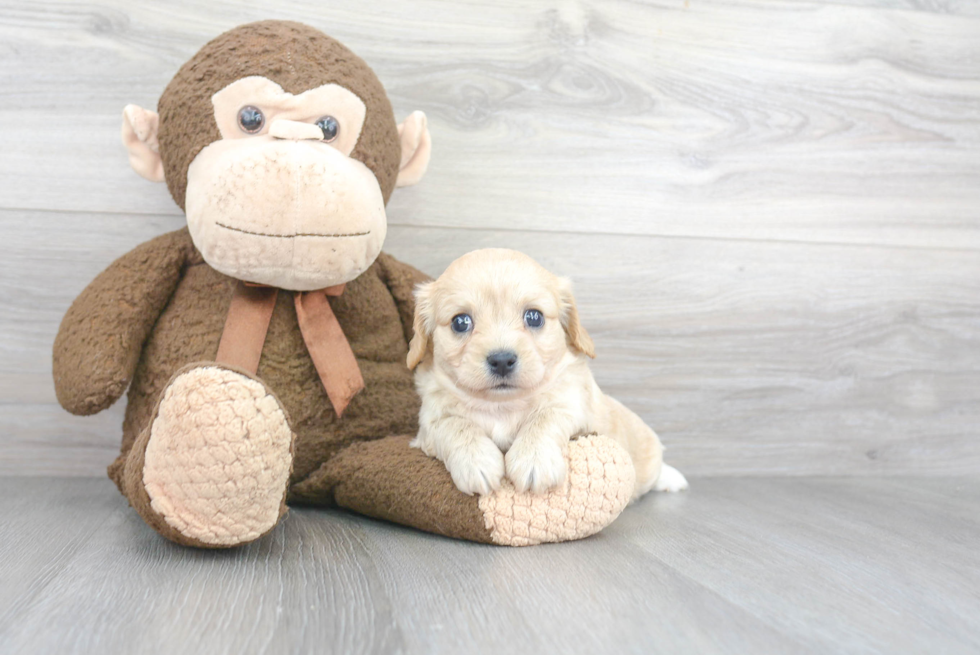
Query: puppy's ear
{"points": [[422, 325], [578, 338]]}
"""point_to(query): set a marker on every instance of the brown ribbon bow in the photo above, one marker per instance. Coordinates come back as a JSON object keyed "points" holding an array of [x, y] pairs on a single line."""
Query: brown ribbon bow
{"points": [[248, 323]]}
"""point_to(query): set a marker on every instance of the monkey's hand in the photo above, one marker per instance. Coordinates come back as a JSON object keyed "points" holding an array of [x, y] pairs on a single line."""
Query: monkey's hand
{"points": [[102, 334]]}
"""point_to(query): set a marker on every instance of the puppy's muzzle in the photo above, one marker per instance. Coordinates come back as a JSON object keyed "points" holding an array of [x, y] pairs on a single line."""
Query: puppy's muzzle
{"points": [[502, 362]]}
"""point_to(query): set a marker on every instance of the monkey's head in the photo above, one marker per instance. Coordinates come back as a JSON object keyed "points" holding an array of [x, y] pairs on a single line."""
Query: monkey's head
{"points": [[281, 146]]}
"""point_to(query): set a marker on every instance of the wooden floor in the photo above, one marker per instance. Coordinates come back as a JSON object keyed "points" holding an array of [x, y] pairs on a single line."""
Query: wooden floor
{"points": [[764, 565]]}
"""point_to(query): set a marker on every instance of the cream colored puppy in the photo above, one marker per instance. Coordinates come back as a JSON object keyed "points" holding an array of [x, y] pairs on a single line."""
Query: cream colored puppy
{"points": [[503, 373]]}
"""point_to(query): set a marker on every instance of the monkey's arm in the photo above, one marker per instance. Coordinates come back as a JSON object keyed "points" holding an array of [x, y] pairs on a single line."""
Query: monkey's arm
{"points": [[401, 280], [102, 334]]}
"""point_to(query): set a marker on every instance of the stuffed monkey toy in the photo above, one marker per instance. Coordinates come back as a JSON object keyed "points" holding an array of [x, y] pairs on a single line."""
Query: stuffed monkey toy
{"points": [[264, 345]]}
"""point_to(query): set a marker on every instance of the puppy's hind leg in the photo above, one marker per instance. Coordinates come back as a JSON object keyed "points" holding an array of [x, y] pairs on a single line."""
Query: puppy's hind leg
{"points": [[652, 473], [670, 480], [645, 449]]}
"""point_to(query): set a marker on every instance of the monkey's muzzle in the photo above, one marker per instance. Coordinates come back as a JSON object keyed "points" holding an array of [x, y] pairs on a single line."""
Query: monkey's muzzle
{"points": [[294, 214]]}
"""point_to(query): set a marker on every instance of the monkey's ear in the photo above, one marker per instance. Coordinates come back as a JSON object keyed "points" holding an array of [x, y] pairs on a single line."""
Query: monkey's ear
{"points": [[577, 336], [416, 149], [139, 135], [422, 326]]}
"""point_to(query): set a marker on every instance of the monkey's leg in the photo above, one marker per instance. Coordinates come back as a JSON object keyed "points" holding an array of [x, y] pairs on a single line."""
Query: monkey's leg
{"points": [[389, 480], [212, 468]]}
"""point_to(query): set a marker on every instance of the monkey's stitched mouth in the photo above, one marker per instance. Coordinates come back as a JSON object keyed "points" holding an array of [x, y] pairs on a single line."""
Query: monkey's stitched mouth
{"points": [[291, 236]]}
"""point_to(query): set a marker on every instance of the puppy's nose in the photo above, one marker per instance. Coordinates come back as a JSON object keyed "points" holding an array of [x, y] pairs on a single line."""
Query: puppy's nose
{"points": [[502, 362]]}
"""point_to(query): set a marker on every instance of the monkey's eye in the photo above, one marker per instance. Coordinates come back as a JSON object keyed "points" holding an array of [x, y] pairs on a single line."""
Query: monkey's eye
{"points": [[461, 323], [250, 119], [533, 318], [329, 126]]}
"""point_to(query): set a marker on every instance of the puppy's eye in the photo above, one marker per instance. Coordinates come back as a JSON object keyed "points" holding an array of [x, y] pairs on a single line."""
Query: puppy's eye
{"points": [[533, 318], [250, 119], [462, 323]]}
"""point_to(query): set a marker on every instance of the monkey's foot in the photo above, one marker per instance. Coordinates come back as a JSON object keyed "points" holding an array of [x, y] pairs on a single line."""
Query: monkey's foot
{"points": [[598, 487], [388, 479], [216, 460]]}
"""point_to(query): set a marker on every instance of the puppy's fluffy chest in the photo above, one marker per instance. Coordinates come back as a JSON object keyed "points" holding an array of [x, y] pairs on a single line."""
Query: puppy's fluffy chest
{"points": [[504, 421]]}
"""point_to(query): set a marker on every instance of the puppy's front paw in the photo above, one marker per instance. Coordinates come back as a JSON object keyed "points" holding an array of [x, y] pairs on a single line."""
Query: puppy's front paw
{"points": [[477, 468], [536, 465]]}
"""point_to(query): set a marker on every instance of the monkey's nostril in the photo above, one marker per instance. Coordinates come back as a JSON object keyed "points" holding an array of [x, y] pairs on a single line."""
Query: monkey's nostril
{"points": [[502, 362]]}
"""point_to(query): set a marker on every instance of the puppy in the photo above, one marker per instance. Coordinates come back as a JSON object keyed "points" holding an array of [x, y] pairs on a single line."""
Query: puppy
{"points": [[501, 366]]}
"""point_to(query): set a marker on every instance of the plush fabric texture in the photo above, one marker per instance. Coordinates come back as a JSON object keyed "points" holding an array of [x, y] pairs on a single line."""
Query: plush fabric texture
{"points": [[381, 479], [263, 210], [293, 55], [217, 463], [102, 334], [389, 480], [598, 488], [187, 330]]}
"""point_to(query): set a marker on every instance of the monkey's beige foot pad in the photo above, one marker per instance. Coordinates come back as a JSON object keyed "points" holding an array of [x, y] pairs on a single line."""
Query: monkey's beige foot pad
{"points": [[598, 487], [218, 459]]}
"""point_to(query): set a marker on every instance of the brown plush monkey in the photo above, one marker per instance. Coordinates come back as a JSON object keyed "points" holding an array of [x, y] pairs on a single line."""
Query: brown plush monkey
{"points": [[264, 345]]}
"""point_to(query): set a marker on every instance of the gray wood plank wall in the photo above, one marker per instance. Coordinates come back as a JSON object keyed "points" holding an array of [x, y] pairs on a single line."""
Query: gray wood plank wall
{"points": [[771, 209]]}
